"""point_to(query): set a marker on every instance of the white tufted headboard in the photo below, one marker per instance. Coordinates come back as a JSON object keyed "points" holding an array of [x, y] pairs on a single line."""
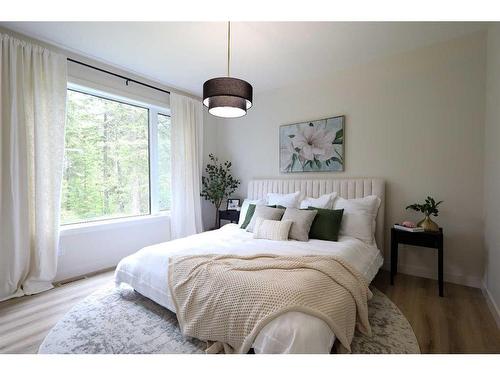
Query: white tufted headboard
{"points": [[347, 188]]}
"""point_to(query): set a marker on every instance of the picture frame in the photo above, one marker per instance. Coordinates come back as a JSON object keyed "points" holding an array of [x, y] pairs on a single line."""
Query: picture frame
{"points": [[312, 146], [233, 204]]}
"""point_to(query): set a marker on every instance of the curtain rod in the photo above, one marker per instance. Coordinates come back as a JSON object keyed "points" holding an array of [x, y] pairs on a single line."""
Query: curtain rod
{"points": [[127, 79]]}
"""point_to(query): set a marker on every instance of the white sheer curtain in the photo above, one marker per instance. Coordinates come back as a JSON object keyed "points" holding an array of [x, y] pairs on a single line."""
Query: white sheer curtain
{"points": [[187, 159], [33, 111]]}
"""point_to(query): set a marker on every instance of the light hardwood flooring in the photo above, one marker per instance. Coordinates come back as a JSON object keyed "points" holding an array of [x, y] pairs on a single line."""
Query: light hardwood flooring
{"points": [[25, 321], [460, 322]]}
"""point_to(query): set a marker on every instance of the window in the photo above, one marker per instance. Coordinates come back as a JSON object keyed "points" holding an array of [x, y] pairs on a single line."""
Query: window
{"points": [[110, 144]]}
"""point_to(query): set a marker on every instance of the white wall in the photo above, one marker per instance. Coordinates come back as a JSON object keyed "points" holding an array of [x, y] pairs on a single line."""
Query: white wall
{"points": [[492, 168], [93, 248], [415, 119]]}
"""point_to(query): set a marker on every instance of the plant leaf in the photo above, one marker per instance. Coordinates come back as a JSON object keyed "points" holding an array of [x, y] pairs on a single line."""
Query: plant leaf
{"points": [[339, 134], [294, 159]]}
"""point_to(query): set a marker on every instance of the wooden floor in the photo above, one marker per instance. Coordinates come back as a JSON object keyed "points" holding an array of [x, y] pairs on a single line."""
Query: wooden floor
{"points": [[25, 321], [458, 323]]}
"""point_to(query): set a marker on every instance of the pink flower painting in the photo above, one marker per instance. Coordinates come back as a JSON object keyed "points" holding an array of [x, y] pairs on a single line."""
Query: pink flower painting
{"points": [[315, 146]]}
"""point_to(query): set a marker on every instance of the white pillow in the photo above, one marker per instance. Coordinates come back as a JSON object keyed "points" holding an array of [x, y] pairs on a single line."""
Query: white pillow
{"points": [[325, 201], [275, 230], [244, 208], [285, 200], [359, 217]]}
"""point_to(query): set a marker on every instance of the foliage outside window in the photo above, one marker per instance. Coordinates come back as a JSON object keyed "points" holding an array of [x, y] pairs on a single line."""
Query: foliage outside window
{"points": [[107, 159]]}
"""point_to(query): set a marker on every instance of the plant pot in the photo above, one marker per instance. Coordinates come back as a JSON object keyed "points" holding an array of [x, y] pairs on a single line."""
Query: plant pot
{"points": [[428, 225]]}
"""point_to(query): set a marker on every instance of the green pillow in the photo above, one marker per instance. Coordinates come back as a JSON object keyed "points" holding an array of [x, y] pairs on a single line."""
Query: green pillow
{"points": [[250, 212], [326, 224]]}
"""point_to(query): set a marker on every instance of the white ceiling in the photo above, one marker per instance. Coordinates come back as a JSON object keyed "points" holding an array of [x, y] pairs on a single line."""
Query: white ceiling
{"points": [[266, 54]]}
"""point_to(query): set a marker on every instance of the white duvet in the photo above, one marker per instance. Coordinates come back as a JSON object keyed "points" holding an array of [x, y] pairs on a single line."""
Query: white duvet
{"points": [[294, 332]]}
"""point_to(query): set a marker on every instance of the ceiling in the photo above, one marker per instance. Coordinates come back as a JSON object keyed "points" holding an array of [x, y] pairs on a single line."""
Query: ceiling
{"points": [[266, 54]]}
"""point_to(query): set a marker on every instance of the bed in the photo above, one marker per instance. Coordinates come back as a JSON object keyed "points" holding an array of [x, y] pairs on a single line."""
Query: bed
{"points": [[293, 332]]}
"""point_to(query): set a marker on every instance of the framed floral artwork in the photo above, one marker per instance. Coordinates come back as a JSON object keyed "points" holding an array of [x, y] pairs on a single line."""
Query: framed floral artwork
{"points": [[313, 146]]}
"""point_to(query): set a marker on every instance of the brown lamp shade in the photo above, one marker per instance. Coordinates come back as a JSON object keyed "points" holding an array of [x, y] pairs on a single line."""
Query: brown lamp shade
{"points": [[227, 96]]}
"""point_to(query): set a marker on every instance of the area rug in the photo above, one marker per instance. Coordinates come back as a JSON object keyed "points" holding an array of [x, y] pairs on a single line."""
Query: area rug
{"points": [[120, 320]]}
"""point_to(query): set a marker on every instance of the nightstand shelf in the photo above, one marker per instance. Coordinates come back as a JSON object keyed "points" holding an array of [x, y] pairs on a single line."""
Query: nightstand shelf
{"points": [[230, 215], [425, 239]]}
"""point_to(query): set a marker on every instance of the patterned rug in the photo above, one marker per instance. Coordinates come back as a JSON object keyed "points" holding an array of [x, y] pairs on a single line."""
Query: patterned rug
{"points": [[120, 320]]}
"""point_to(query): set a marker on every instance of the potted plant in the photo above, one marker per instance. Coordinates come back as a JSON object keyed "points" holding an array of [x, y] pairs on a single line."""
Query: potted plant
{"points": [[430, 207], [218, 183]]}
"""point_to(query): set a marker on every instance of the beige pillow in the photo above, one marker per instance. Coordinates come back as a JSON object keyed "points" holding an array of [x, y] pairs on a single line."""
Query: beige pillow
{"points": [[265, 212], [272, 229], [302, 221]]}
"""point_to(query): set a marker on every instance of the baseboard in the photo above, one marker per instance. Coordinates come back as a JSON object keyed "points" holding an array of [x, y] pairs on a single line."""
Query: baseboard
{"points": [[495, 311], [82, 276], [450, 277]]}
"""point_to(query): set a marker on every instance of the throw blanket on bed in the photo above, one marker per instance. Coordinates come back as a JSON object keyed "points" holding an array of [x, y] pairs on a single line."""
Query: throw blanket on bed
{"points": [[228, 299]]}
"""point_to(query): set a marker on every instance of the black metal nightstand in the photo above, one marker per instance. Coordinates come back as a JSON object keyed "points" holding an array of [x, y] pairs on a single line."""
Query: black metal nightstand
{"points": [[231, 215], [425, 239]]}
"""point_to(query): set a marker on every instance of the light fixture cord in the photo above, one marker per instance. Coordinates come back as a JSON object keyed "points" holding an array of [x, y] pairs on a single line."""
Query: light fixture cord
{"points": [[228, 45]]}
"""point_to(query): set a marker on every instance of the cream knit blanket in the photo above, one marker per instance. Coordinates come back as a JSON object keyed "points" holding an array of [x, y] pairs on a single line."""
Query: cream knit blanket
{"points": [[228, 299]]}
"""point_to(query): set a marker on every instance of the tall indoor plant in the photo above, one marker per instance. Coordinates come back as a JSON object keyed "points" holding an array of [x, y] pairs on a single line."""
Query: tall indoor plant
{"points": [[218, 184]]}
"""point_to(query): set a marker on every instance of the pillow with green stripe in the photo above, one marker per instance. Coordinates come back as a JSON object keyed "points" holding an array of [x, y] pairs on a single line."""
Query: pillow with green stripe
{"points": [[251, 211], [326, 224], [248, 217]]}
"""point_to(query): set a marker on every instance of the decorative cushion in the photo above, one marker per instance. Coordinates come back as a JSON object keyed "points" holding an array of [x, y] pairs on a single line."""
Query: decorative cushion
{"points": [[264, 212], [248, 216], [325, 201], [272, 229], [244, 209], [302, 221], [359, 217], [326, 224], [285, 200]]}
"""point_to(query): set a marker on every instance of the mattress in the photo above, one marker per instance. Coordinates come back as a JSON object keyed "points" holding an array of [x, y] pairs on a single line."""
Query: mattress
{"points": [[293, 332]]}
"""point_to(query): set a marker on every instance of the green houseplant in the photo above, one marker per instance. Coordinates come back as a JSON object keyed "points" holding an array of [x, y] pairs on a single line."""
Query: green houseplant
{"points": [[218, 183], [430, 207]]}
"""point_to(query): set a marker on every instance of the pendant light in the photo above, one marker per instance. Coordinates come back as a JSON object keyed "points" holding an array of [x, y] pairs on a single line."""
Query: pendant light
{"points": [[227, 96]]}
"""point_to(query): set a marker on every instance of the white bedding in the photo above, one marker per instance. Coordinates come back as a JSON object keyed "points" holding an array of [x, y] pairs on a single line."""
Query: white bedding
{"points": [[294, 332]]}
